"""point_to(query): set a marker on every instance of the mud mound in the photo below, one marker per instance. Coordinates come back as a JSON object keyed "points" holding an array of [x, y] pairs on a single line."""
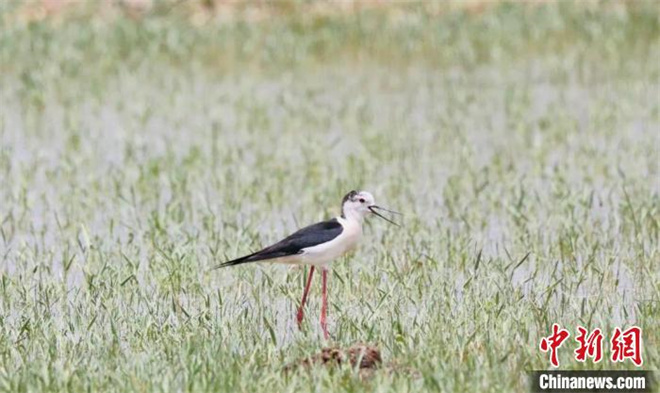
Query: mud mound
{"points": [[366, 358], [360, 356]]}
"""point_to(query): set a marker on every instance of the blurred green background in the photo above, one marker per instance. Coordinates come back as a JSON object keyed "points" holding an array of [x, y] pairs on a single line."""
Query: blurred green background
{"points": [[143, 142]]}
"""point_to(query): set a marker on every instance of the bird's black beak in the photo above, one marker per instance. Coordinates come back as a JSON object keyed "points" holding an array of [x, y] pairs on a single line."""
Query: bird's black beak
{"points": [[373, 207]]}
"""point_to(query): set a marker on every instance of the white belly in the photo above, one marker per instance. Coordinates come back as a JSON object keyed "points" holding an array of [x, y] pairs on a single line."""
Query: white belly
{"points": [[325, 253]]}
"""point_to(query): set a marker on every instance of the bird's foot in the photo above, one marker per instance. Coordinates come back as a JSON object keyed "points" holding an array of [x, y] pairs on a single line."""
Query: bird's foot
{"points": [[324, 327], [299, 317]]}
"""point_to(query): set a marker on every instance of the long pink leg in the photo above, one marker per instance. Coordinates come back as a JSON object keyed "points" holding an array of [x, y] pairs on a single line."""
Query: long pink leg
{"points": [[301, 309], [324, 306]]}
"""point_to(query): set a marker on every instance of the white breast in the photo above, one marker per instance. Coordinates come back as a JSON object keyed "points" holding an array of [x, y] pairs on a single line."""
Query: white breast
{"points": [[325, 253]]}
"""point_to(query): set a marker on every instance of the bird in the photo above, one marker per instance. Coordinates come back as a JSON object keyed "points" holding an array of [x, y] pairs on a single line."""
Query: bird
{"points": [[319, 244]]}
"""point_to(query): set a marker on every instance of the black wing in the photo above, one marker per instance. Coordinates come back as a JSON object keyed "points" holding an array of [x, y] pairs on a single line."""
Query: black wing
{"points": [[293, 244]]}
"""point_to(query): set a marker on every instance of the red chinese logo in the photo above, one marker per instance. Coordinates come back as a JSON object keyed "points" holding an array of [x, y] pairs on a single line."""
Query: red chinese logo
{"points": [[590, 346], [553, 342], [627, 345]]}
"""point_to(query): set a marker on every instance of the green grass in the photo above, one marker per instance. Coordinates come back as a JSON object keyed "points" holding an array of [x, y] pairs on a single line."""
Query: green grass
{"points": [[134, 155]]}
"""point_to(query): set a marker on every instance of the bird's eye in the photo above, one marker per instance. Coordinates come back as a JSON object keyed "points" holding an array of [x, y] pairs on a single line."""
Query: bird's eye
{"points": [[361, 200]]}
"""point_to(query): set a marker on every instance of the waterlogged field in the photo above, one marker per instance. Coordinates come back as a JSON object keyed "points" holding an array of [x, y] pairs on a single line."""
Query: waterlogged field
{"points": [[520, 142]]}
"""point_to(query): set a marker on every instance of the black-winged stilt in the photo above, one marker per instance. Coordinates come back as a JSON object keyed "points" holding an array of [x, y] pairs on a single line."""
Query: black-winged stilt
{"points": [[319, 244]]}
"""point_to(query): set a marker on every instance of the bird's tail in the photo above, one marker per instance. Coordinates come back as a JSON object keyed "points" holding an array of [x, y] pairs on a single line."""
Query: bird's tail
{"points": [[237, 261], [230, 263]]}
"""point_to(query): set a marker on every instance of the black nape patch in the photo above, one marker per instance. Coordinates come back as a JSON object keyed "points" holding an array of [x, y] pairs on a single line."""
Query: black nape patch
{"points": [[350, 196]]}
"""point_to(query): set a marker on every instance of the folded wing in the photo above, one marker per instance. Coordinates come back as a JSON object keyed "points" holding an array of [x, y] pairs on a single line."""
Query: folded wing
{"points": [[295, 243]]}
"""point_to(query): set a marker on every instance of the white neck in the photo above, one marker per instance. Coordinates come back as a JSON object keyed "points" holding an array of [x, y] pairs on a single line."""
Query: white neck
{"points": [[353, 216]]}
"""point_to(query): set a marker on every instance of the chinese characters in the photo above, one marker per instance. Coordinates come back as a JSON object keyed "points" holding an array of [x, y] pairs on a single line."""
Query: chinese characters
{"points": [[624, 345]]}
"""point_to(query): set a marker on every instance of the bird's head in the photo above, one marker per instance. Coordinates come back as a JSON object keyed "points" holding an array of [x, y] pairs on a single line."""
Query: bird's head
{"points": [[358, 204]]}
